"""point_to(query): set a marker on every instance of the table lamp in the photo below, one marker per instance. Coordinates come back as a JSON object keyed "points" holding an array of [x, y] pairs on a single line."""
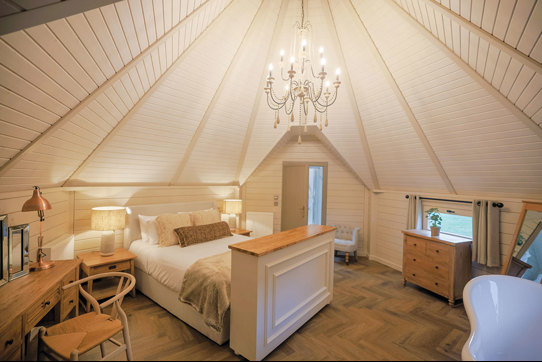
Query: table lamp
{"points": [[39, 204], [108, 219], [233, 207]]}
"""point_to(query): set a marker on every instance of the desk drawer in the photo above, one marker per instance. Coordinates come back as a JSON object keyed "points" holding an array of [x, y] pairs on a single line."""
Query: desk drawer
{"points": [[69, 278], [10, 340], [424, 279], [439, 252], [70, 298], [116, 267], [426, 264], [37, 311]]}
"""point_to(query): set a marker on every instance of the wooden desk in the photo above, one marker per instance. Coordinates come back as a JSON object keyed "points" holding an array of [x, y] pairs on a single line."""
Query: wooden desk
{"points": [[278, 282], [239, 231], [94, 263], [25, 301]]}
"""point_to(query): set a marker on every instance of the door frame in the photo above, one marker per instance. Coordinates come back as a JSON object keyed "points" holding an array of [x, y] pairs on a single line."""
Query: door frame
{"points": [[324, 186]]}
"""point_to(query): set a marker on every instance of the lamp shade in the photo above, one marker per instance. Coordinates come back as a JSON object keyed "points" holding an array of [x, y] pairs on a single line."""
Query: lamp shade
{"points": [[232, 206], [108, 218], [36, 202]]}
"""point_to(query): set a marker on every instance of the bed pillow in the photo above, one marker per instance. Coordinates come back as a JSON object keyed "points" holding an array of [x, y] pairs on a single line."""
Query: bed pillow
{"points": [[166, 225], [202, 233], [149, 233], [204, 217]]}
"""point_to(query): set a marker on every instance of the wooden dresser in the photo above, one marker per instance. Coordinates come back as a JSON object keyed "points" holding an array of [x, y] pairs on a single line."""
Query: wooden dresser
{"points": [[25, 301], [441, 264]]}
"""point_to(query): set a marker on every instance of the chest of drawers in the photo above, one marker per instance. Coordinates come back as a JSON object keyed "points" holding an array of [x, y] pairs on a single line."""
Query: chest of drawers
{"points": [[440, 264]]}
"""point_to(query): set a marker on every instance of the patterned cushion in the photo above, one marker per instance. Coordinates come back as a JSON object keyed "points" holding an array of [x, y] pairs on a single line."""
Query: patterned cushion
{"points": [[191, 235], [204, 217], [167, 223]]}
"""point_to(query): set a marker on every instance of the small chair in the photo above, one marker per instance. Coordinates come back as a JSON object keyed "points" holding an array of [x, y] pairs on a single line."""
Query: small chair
{"points": [[76, 336], [346, 240]]}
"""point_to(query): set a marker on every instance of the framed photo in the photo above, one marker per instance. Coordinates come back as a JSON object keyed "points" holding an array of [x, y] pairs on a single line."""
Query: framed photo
{"points": [[19, 237], [4, 251]]}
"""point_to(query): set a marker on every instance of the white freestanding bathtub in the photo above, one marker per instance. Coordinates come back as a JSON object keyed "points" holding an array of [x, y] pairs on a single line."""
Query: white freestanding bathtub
{"points": [[505, 315]]}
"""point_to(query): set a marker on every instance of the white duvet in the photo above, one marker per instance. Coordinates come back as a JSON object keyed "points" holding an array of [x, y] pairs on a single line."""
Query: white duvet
{"points": [[168, 265]]}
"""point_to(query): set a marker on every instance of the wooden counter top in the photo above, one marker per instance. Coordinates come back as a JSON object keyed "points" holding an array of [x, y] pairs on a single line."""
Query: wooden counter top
{"points": [[443, 238], [268, 244], [18, 295]]}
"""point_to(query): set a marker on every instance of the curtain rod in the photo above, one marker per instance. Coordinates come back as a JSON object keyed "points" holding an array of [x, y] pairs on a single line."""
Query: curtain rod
{"points": [[495, 204]]}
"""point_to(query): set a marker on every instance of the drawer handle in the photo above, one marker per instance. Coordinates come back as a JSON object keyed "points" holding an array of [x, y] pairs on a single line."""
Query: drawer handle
{"points": [[436, 283], [438, 251], [436, 267], [111, 267], [71, 302], [415, 244], [414, 259], [45, 304], [9, 343], [413, 274]]}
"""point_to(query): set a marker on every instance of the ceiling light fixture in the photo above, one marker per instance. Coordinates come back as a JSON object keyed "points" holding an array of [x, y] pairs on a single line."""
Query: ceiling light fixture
{"points": [[304, 87]]}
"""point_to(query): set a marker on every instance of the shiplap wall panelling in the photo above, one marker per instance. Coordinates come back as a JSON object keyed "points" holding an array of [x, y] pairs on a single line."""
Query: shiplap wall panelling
{"points": [[391, 215], [87, 198], [345, 198], [213, 159], [159, 131], [58, 220], [102, 113], [398, 154], [515, 79], [473, 134]]}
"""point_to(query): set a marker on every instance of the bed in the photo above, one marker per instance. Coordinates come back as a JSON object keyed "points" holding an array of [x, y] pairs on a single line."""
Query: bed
{"points": [[159, 271]]}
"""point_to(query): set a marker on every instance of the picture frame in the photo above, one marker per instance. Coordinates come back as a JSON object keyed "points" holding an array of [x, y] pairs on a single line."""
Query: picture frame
{"points": [[4, 250], [19, 243]]}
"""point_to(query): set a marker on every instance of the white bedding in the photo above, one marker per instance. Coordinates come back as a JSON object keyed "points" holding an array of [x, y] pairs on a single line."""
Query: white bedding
{"points": [[168, 265]]}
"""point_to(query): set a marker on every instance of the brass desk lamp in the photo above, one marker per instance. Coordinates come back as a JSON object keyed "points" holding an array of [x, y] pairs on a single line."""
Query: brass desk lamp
{"points": [[39, 204]]}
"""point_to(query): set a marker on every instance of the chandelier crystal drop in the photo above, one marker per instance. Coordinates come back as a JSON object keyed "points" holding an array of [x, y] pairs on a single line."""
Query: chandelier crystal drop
{"points": [[304, 90]]}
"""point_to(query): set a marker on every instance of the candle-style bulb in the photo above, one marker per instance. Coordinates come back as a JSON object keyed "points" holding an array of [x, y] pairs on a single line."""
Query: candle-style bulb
{"points": [[338, 72], [323, 63], [321, 51]]}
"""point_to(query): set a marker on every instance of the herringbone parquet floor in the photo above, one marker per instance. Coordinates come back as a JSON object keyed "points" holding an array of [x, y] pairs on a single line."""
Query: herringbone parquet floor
{"points": [[372, 317]]}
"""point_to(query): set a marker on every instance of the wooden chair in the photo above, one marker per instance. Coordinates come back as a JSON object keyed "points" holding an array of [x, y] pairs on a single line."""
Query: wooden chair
{"points": [[346, 240], [76, 336]]}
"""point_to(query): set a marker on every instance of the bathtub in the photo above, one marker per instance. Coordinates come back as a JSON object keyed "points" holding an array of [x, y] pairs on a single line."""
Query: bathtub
{"points": [[505, 315]]}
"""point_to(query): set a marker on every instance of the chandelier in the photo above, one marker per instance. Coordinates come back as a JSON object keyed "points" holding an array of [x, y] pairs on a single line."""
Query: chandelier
{"points": [[304, 90]]}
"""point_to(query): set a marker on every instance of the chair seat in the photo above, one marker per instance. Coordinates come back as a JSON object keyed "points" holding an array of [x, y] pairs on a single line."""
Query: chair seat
{"points": [[347, 246], [81, 333]]}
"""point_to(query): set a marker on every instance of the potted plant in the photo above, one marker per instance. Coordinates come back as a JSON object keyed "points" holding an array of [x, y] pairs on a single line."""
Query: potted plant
{"points": [[433, 216]]}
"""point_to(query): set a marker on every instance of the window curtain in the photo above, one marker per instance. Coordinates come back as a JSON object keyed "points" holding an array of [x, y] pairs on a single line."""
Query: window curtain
{"points": [[414, 217], [486, 233]]}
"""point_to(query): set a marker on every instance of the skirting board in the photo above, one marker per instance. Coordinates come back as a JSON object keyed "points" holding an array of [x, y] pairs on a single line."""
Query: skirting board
{"points": [[169, 300], [386, 262]]}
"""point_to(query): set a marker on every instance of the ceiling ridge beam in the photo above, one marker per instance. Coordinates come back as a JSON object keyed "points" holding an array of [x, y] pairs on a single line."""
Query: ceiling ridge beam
{"points": [[140, 102], [256, 105], [507, 103], [492, 39], [97, 92], [404, 104], [355, 107], [203, 122]]}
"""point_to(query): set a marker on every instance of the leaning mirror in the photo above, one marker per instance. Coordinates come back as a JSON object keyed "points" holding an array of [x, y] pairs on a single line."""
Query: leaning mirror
{"points": [[4, 261], [525, 255], [18, 251]]}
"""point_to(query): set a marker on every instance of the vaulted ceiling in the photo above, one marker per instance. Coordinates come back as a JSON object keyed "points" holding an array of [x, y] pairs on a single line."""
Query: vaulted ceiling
{"points": [[435, 96]]}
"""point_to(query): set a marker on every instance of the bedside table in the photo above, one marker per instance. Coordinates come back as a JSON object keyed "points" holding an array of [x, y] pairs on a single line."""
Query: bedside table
{"points": [[239, 231], [93, 263]]}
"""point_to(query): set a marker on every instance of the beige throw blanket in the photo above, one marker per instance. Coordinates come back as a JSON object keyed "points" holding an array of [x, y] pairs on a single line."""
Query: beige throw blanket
{"points": [[207, 288]]}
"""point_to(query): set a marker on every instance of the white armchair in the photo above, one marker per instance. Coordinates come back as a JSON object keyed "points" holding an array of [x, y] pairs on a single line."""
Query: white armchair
{"points": [[346, 240]]}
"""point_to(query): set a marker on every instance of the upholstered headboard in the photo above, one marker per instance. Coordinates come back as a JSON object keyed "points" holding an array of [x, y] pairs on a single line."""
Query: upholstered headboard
{"points": [[132, 231]]}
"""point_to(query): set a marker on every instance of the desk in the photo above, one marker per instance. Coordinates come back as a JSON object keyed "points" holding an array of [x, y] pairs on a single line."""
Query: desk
{"points": [[25, 301]]}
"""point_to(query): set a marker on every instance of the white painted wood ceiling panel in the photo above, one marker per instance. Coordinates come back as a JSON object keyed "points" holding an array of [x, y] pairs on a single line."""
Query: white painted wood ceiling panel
{"points": [[215, 158], [165, 124], [476, 151], [512, 21], [399, 156]]}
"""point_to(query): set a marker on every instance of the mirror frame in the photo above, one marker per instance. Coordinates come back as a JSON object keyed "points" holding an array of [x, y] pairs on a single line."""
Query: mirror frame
{"points": [[24, 230], [4, 250], [527, 206]]}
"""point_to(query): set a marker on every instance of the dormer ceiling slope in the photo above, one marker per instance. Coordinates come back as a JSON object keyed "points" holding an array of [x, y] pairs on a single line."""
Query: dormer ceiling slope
{"points": [[438, 97]]}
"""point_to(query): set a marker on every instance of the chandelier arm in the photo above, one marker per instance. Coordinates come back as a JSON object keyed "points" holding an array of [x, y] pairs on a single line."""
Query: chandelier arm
{"points": [[316, 106], [334, 97], [274, 107], [284, 79], [274, 96], [291, 109]]}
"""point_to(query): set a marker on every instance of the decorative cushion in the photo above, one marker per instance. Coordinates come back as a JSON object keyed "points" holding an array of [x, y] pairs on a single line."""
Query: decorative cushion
{"points": [[191, 235], [149, 233], [166, 225], [204, 217]]}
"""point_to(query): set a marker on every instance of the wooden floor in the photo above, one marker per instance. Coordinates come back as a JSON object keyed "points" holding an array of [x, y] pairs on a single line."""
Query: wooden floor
{"points": [[372, 317]]}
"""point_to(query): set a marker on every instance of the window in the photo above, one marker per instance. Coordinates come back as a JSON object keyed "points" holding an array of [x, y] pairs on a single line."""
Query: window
{"points": [[456, 216]]}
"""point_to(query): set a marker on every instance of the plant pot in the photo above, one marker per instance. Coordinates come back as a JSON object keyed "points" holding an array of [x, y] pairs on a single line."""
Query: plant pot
{"points": [[435, 231]]}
